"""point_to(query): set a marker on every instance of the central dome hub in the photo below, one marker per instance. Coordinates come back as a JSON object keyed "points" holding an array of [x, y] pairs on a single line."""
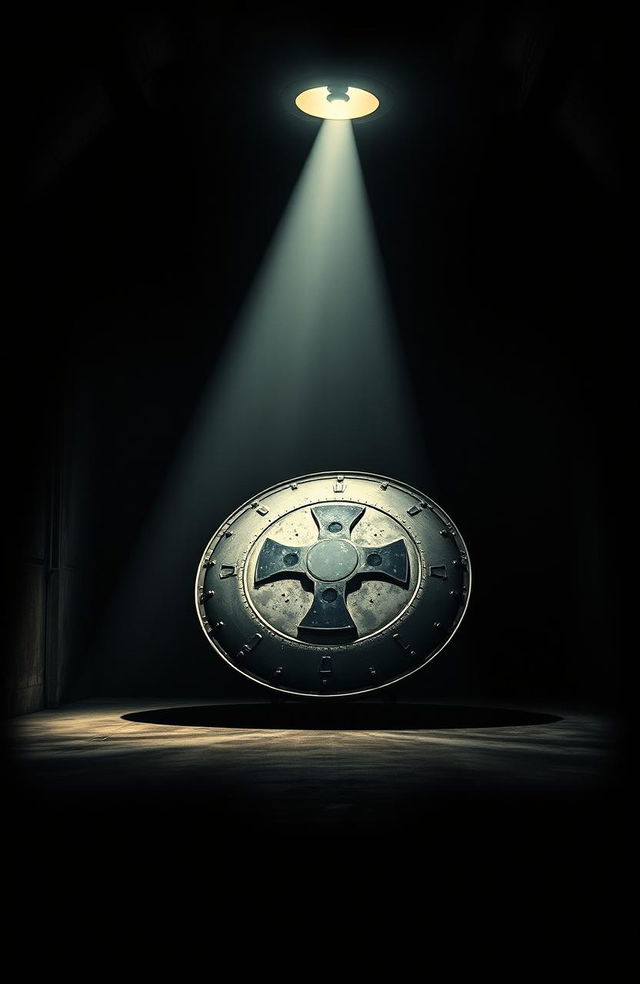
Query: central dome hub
{"points": [[332, 560]]}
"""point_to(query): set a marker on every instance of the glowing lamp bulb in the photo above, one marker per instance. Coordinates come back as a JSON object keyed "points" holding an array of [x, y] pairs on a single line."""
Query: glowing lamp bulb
{"points": [[337, 92]]}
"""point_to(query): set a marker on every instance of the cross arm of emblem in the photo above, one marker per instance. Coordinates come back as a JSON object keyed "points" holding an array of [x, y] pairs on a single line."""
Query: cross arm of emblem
{"points": [[332, 563]]}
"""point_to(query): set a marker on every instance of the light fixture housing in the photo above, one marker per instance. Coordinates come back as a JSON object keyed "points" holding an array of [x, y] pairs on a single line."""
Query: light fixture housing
{"points": [[334, 102], [343, 96]]}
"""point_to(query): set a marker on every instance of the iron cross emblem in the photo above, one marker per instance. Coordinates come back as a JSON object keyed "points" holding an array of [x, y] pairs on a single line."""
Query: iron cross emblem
{"points": [[331, 563]]}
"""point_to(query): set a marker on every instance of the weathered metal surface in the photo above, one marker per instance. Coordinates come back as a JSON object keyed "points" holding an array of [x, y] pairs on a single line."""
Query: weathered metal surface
{"points": [[333, 584]]}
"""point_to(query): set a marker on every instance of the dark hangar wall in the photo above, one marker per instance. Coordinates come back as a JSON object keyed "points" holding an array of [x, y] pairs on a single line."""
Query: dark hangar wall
{"points": [[155, 176]]}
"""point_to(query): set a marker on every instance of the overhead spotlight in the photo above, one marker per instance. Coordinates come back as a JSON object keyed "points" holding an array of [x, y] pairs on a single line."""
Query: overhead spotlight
{"points": [[337, 102]]}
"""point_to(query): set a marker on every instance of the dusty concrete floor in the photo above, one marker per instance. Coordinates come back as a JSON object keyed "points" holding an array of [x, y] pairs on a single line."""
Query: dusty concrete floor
{"points": [[316, 771]]}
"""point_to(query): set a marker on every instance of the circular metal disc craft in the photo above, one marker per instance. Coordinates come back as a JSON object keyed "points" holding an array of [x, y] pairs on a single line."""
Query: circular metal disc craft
{"points": [[333, 584]]}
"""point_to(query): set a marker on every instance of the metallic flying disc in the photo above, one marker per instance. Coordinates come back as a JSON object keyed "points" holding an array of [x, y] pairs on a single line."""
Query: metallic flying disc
{"points": [[333, 584]]}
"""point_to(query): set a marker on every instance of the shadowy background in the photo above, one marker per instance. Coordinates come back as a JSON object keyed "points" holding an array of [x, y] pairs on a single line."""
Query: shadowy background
{"points": [[157, 161]]}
